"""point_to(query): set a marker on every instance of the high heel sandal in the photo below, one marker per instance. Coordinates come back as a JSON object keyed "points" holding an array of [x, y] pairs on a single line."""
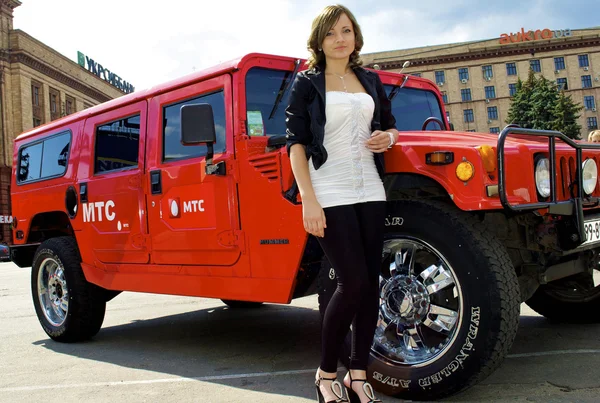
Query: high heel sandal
{"points": [[367, 388], [338, 393]]}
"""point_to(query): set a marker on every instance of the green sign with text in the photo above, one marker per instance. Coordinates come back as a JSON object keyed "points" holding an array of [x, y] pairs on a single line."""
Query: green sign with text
{"points": [[104, 73]]}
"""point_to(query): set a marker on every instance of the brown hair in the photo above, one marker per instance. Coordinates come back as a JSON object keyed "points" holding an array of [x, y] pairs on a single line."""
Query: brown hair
{"points": [[321, 25]]}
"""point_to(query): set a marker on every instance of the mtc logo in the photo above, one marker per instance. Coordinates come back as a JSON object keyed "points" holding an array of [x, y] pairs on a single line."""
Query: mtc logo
{"points": [[103, 209], [192, 206]]}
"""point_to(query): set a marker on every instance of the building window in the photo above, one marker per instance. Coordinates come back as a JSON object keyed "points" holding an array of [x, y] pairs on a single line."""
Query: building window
{"points": [[492, 112], [584, 61], [440, 77], [37, 103], [559, 63], [562, 84], [445, 97], [589, 102], [586, 81], [54, 104], [535, 65], [465, 93], [463, 73], [35, 95], [494, 130], [511, 69], [117, 144], [592, 123], [448, 116], [468, 115], [415, 74], [69, 105], [512, 89], [488, 72], [490, 92]]}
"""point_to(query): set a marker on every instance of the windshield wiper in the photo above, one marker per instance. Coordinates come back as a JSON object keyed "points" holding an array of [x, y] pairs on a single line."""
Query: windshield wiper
{"points": [[284, 87]]}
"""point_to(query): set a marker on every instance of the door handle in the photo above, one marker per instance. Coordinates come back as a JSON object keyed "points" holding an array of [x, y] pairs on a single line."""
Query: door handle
{"points": [[156, 182], [83, 192]]}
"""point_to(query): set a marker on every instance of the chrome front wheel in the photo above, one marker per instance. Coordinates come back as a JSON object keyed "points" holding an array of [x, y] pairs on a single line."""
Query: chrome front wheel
{"points": [[420, 304]]}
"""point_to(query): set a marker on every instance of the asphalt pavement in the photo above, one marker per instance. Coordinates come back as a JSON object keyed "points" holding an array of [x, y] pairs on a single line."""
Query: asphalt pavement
{"points": [[160, 348]]}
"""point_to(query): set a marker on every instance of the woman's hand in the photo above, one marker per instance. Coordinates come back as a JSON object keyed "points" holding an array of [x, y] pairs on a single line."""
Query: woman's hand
{"points": [[380, 141], [314, 218]]}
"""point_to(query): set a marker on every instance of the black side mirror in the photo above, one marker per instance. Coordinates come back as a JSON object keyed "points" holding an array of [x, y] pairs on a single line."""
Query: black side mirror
{"points": [[451, 126], [198, 127]]}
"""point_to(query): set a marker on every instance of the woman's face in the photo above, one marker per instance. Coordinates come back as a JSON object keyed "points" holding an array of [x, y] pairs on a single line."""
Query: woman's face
{"points": [[339, 42], [596, 139]]}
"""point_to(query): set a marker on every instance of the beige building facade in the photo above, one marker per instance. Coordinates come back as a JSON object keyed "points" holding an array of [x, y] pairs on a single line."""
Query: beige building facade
{"points": [[478, 78], [37, 85]]}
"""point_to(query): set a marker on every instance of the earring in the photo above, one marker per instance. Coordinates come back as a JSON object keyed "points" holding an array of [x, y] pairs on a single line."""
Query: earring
{"points": [[320, 50]]}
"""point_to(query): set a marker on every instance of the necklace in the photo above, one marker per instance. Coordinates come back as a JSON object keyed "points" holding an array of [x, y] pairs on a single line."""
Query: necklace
{"points": [[342, 78]]}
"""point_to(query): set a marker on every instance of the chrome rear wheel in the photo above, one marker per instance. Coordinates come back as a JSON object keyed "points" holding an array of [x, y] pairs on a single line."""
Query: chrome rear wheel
{"points": [[53, 293]]}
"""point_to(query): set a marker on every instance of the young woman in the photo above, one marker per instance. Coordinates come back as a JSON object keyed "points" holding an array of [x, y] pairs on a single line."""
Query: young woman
{"points": [[339, 122]]}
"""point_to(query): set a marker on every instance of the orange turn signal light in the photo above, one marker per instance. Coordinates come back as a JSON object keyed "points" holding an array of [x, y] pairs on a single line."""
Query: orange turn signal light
{"points": [[488, 158], [439, 158], [465, 171]]}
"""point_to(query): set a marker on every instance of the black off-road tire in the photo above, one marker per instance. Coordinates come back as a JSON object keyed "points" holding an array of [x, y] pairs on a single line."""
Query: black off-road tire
{"points": [[241, 304], [87, 303], [556, 302], [490, 314]]}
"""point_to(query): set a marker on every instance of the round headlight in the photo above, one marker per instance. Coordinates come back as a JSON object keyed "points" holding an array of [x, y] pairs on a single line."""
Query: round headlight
{"points": [[542, 177], [590, 176]]}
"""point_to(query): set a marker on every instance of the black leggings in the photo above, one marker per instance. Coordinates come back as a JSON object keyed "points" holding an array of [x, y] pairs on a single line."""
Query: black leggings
{"points": [[353, 243]]}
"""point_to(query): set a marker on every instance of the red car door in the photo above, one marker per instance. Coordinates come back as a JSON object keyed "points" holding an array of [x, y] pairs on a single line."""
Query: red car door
{"points": [[113, 208]]}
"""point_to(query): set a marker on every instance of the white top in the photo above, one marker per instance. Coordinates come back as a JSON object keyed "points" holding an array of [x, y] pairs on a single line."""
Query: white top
{"points": [[349, 175]]}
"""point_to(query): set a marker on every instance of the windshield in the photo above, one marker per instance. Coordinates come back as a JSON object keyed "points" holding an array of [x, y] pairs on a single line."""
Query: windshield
{"points": [[262, 87], [410, 106]]}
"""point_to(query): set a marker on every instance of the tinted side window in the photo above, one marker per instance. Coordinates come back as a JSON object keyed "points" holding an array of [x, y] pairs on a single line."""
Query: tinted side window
{"points": [[117, 144], [45, 159], [30, 162], [172, 147], [56, 153]]}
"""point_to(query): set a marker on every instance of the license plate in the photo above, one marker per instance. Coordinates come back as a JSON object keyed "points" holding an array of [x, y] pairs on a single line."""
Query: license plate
{"points": [[592, 231]]}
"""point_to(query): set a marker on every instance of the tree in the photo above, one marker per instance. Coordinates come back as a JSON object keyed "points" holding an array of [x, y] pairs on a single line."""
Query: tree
{"points": [[543, 100], [520, 108], [540, 104], [566, 113]]}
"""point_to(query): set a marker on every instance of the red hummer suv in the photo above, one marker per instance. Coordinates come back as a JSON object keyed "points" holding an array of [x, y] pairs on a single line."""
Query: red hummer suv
{"points": [[186, 189]]}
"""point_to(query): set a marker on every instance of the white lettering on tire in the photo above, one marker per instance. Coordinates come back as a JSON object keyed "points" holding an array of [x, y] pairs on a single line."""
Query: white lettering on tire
{"points": [[461, 356], [393, 221]]}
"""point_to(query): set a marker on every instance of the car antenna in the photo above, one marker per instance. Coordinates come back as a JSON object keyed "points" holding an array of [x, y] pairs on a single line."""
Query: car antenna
{"points": [[396, 89]]}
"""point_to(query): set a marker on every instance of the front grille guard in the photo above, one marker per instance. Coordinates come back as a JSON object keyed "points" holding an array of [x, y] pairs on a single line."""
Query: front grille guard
{"points": [[574, 206]]}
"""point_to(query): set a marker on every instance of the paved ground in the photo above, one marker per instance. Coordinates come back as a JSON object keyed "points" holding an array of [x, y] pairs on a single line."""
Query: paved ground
{"points": [[162, 348]]}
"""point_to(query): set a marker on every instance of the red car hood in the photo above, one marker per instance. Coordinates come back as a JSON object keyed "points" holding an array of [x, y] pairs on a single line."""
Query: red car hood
{"points": [[469, 139]]}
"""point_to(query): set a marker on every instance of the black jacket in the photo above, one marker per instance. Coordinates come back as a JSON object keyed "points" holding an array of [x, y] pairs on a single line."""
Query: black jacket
{"points": [[305, 120]]}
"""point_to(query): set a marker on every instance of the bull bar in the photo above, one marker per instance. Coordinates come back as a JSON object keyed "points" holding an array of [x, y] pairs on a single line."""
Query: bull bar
{"points": [[574, 206]]}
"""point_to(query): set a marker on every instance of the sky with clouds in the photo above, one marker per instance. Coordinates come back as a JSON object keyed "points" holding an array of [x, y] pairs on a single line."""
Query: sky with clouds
{"points": [[149, 42]]}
